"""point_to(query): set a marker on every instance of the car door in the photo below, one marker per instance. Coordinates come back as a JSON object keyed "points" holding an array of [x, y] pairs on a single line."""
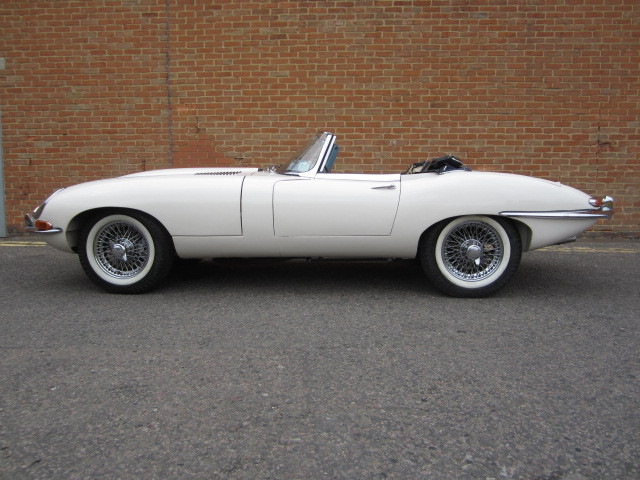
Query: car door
{"points": [[335, 204]]}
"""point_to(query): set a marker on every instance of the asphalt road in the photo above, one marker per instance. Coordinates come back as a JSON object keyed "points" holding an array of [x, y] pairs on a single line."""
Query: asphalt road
{"points": [[304, 370]]}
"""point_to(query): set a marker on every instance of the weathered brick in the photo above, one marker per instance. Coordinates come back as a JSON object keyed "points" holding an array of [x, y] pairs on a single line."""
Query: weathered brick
{"points": [[548, 88]]}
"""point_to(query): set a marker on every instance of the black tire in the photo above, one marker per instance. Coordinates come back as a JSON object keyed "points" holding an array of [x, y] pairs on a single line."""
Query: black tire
{"points": [[472, 256], [125, 252]]}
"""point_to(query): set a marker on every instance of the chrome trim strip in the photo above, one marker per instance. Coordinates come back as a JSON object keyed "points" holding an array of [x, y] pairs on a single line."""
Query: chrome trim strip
{"points": [[565, 215]]}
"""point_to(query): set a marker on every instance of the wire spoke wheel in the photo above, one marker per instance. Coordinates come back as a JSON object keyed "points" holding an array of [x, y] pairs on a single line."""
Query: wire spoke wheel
{"points": [[125, 253], [472, 251], [121, 249], [471, 256]]}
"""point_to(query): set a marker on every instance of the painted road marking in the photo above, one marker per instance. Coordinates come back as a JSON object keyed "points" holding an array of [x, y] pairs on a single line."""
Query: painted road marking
{"points": [[558, 248], [20, 243]]}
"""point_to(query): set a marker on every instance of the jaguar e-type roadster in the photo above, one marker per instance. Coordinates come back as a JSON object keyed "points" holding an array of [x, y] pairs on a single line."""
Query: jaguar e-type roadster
{"points": [[467, 229]]}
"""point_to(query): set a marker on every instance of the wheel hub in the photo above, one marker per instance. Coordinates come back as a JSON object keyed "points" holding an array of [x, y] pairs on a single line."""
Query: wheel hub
{"points": [[119, 249], [472, 249]]}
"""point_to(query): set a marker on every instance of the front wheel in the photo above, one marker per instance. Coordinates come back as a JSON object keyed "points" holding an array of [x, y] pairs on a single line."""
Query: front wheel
{"points": [[472, 256], [125, 253]]}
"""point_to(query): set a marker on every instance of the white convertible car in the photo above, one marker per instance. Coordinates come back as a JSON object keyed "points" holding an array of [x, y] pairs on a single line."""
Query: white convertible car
{"points": [[467, 229]]}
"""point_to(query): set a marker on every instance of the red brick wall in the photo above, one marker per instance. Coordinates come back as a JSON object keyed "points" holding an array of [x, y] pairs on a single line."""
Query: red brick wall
{"points": [[543, 88]]}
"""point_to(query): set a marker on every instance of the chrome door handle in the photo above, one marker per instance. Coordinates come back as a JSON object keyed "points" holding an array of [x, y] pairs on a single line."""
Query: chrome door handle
{"points": [[385, 187]]}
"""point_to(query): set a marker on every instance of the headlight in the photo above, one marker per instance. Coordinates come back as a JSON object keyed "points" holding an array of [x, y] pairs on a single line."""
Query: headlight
{"points": [[38, 211]]}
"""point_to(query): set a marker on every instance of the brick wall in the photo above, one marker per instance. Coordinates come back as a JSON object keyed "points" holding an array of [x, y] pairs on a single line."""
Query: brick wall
{"points": [[93, 89]]}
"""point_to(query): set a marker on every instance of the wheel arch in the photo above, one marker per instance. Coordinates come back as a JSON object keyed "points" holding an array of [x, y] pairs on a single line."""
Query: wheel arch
{"points": [[77, 222]]}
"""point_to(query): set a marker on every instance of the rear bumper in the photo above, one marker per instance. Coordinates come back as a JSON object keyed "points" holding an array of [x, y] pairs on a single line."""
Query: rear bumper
{"points": [[604, 210]]}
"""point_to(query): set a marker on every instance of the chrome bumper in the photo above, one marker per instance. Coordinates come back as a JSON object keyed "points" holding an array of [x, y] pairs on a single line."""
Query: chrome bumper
{"points": [[604, 210], [30, 226]]}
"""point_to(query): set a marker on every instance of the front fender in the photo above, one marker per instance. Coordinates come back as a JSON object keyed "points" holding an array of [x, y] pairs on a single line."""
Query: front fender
{"points": [[185, 205]]}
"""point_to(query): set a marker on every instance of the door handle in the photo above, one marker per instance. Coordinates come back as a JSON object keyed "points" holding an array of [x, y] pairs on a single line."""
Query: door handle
{"points": [[384, 187]]}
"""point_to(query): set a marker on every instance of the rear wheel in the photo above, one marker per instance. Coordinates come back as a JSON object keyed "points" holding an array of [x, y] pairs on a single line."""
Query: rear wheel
{"points": [[471, 256], [125, 253]]}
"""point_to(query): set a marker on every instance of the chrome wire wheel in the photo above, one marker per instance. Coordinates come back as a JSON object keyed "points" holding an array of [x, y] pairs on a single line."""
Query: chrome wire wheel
{"points": [[125, 252], [121, 249], [472, 251], [472, 256]]}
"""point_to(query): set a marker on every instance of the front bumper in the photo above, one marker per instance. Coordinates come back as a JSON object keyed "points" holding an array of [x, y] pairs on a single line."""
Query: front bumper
{"points": [[39, 226]]}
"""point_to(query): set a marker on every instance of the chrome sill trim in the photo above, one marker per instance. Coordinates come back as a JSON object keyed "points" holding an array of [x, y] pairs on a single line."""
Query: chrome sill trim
{"points": [[563, 215]]}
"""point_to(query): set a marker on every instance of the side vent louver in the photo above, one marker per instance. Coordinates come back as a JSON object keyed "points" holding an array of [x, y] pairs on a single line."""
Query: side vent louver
{"points": [[219, 173]]}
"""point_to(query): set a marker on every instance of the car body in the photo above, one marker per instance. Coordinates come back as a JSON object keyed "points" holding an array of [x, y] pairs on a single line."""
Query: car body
{"points": [[468, 229]]}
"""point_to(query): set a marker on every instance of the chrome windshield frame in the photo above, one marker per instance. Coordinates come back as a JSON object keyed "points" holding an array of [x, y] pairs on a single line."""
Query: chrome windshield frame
{"points": [[322, 145]]}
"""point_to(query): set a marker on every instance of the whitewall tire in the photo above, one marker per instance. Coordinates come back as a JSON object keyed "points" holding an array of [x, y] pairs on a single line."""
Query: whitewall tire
{"points": [[125, 252], [472, 256]]}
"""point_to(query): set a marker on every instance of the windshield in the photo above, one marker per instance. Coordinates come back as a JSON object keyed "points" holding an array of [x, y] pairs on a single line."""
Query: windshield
{"points": [[305, 161]]}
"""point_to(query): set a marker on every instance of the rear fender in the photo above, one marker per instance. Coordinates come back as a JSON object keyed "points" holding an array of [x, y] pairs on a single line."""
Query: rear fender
{"points": [[427, 199]]}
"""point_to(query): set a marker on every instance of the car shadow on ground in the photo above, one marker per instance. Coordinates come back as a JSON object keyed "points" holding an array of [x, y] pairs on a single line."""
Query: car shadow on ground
{"points": [[535, 278], [301, 275], [540, 274]]}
